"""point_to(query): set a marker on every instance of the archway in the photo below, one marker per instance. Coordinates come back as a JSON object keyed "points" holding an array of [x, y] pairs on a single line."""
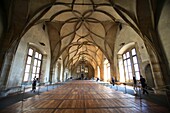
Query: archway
{"points": [[149, 76]]}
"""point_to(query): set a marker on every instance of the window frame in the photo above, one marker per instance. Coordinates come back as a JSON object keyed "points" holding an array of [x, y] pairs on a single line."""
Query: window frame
{"points": [[32, 65], [128, 74]]}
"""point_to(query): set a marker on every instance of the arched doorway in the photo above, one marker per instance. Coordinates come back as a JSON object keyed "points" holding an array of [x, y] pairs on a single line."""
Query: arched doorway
{"points": [[149, 76]]}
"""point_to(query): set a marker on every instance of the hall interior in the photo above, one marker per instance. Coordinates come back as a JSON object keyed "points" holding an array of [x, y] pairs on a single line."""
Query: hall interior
{"points": [[59, 41]]}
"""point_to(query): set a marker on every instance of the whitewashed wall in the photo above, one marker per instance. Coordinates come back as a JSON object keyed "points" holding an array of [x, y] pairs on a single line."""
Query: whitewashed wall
{"points": [[128, 35], [35, 35]]}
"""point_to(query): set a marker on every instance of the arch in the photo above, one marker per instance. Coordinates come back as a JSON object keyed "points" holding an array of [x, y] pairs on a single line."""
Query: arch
{"points": [[38, 48], [156, 69], [125, 47], [149, 76]]}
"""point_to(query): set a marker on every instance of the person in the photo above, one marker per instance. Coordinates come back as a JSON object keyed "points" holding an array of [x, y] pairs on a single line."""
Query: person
{"points": [[134, 83], [113, 81], [144, 85], [82, 76], [34, 85], [97, 79]]}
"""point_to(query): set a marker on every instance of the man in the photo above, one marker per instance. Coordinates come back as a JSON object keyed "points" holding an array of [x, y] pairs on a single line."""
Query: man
{"points": [[113, 81], [34, 85], [134, 83], [97, 79], [144, 85]]}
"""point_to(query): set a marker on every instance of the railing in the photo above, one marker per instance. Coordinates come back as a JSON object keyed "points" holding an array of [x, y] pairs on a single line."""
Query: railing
{"points": [[4, 91], [138, 91], [10, 90], [117, 85]]}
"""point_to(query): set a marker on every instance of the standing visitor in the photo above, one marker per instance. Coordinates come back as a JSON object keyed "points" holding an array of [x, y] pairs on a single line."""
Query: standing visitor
{"points": [[34, 85], [97, 79], [113, 81], [144, 85], [134, 83]]}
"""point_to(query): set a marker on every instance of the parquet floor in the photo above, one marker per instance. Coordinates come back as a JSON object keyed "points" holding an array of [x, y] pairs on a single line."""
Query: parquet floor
{"points": [[84, 97]]}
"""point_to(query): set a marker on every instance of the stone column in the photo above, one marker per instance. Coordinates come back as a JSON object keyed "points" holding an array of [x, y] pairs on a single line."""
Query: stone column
{"points": [[6, 60]]}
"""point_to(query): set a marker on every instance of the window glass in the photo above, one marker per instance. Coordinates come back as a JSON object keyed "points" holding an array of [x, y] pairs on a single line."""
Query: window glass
{"points": [[136, 67], [124, 56], [36, 54], [29, 60], [34, 69], [33, 76], [26, 77], [126, 70], [35, 62], [78, 69], [127, 55], [135, 60], [133, 51], [86, 70], [137, 75], [129, 68], [39, 63], [130, 76], [37, 75], [27, 68], [30, 52], [38, 70], [125, 63], [128, 60], [127, 77], [40, 56]]}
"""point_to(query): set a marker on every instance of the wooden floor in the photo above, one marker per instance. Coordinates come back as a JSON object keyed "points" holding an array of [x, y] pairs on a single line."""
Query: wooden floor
{"points": [[84, 97]]}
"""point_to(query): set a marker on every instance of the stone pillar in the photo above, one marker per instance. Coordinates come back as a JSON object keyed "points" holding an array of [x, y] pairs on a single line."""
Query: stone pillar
{"points": [[101, 71], [59, 71], [54, 74], [96, 71], [6, 60], [156, 70], [113, 71], [51, 72]]}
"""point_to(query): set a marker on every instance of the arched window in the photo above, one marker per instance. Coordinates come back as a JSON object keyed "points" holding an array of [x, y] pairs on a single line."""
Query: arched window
{"points": [[131, 66], [33, 65]]}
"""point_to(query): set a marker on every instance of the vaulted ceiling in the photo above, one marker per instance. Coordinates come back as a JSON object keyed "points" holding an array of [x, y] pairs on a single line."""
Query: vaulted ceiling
{"points": [[83, 28]]}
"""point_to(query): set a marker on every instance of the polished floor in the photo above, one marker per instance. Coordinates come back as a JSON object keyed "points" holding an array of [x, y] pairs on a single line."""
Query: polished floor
{"points": [[84, 97]]}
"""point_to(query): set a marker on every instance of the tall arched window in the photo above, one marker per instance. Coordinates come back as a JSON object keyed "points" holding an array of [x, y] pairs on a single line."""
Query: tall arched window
{"points": [[131, 66], [33, 65]]}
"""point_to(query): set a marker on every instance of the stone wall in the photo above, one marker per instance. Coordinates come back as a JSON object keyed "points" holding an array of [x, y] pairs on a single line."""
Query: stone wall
{"points": [[126, 36], [1, 23], [164, 29], [35, 35]]}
